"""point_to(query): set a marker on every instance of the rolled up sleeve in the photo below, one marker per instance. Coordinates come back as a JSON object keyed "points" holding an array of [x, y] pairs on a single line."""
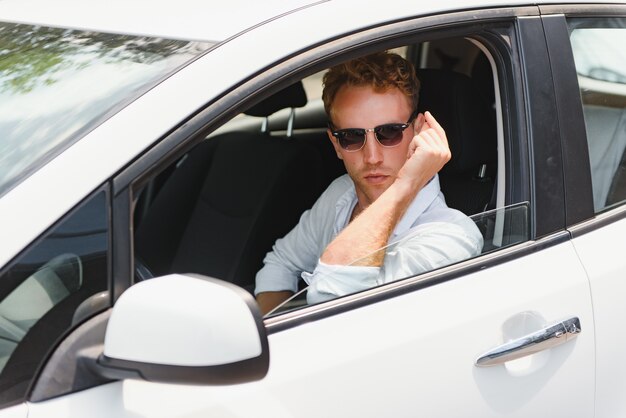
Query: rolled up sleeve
{"points": [[424, 248], [300, 249]]}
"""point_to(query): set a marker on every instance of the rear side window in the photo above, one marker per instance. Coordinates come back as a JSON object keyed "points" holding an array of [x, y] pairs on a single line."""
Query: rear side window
{"points": [[61, 280], [600, 56]]}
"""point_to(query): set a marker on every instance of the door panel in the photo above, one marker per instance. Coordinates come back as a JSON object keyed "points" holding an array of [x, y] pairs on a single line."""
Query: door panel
{"points": [[602, 253], [17, 411], [412, 355], [417, 352], [598, 56]]}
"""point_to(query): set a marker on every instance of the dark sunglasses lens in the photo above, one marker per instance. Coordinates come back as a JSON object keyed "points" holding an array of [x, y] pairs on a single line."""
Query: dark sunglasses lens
{"points": [[390, 135], [351, 139]]}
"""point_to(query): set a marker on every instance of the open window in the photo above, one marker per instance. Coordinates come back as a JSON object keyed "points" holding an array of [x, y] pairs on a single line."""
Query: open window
{"points": [[220, 207]]}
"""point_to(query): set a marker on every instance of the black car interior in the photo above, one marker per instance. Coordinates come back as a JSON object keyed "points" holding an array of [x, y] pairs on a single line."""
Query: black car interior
{"points": [[221, 207], [229, 199]]}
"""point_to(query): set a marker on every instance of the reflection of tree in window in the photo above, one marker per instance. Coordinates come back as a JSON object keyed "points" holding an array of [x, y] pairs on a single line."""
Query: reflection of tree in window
{"points": [[30, 55]]}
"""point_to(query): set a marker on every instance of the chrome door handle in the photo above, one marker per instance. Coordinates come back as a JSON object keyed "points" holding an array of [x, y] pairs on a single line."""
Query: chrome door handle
{"points": [[548, 337]]}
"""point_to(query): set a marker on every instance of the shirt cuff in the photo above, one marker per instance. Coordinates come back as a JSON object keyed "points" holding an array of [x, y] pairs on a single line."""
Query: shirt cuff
{"points": [[330, 281]]}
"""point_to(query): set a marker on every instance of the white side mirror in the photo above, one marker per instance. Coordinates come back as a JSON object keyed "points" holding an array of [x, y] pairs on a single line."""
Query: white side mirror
{"points": [[186, 329]]}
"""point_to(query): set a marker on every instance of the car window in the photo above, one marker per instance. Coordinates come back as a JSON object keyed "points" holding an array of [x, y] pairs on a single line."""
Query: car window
{"points": [[600, 56], [226, 203], [57, 84], [61, 280], [490, 224]]}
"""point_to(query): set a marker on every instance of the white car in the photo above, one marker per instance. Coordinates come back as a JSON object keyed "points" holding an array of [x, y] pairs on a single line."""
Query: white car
{"points": [[151, 153]]}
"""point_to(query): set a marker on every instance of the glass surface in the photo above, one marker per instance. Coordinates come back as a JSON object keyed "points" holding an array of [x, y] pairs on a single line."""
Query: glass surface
{"points": [[47, 291], [58, 84], [600, 52], [600, 57], [500, 228]]}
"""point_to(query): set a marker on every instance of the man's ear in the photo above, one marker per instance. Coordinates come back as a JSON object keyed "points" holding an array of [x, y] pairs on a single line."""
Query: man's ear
{"points": [[333, 140]]}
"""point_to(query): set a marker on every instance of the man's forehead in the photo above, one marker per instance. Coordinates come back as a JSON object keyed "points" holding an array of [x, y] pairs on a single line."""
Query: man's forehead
{"points": [[369, 104]]}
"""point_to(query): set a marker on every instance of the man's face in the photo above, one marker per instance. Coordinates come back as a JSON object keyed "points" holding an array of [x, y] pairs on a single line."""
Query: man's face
{"points": [[373, 168]]}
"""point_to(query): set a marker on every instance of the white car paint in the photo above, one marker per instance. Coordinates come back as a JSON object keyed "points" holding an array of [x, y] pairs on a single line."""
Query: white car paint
{"points": [[407, 355], [17, 411], [183, 19], [210, 21], [602, 254], [146, 317]]}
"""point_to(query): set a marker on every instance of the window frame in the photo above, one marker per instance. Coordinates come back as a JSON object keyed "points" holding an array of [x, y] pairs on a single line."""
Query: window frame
{"points": [[522, 124]]}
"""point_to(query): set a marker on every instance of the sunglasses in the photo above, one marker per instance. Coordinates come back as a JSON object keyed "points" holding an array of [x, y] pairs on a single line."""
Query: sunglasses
{"points": [[388, 135]]}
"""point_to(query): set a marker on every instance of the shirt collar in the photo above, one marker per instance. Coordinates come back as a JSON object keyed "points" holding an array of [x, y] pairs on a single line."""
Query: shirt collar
{"points": [[346, 202]]}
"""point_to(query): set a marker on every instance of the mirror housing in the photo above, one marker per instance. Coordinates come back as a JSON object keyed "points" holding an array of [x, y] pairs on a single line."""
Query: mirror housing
{"points": [[185, 328]]}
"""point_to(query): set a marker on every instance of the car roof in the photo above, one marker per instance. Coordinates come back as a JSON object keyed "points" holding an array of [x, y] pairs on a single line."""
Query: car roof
{"points": [[182, 19], [205, 20]]}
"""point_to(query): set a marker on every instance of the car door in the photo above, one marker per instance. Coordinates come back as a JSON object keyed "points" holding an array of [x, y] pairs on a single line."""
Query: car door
{"points": [[412, 347], [593, 64]]}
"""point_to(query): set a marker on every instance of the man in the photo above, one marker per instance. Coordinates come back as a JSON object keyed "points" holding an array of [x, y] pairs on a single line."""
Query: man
{"points": [[386, 219]]}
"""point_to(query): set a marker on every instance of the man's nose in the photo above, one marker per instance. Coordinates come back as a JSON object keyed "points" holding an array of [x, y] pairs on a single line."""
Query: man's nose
{"points": [[372, 151]]}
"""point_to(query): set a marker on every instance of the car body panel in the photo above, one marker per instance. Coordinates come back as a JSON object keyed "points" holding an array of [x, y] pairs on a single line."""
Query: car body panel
{"points": [[17, 411], [188, 20], [601, 251], [344, 364], [198, 20]]}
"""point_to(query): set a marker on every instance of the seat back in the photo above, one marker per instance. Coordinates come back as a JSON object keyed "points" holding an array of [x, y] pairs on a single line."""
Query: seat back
{"points": [[228, 201], [468, 180]]}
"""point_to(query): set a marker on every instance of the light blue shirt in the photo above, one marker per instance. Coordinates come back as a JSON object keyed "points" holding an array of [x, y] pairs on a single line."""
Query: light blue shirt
{"points": [[429, 235]]}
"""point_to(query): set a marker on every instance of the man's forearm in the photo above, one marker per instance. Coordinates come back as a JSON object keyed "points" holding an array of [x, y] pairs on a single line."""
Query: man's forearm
{"points": [[361, 241], [269, 300]]}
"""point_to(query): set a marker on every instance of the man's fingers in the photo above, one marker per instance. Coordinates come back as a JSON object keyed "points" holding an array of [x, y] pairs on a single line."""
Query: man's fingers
{"points": [[431, 143], [432, 122]]}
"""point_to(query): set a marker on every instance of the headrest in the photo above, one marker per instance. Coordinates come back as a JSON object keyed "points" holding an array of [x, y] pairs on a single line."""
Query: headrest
{"points": [[461, 109], [292, 96]]}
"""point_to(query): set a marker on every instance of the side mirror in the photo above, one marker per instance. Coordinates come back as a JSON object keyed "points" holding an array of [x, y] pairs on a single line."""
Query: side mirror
{"points": [[185, 329]]}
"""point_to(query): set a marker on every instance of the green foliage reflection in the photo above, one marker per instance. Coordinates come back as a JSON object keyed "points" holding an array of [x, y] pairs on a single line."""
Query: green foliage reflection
{"points": [[32, 55]]}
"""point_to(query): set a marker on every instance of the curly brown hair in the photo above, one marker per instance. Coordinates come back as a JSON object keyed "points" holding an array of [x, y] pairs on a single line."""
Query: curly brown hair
{"points": [[381, 71]]}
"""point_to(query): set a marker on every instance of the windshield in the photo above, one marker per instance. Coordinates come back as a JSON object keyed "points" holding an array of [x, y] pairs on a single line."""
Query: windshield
{"points": [[58, 84]]}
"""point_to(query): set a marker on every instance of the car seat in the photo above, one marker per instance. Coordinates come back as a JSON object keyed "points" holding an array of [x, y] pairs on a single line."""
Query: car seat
{"points": [[468, 179], [229, 199]]}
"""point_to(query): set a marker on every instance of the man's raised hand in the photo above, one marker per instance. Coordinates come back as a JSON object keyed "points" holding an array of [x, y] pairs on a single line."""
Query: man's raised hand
{"points": [[428, 151]]}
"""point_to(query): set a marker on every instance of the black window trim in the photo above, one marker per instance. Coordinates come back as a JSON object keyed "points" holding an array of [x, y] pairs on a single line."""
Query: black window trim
{"points": [[581, 216]]}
